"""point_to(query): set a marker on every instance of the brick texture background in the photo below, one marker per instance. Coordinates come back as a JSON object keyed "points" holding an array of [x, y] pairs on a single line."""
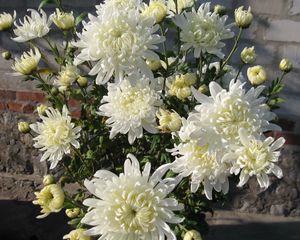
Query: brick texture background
{"points": [[274, 33]]}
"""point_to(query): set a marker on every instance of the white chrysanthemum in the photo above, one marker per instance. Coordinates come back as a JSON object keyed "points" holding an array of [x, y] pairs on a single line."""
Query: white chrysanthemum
{"points": [[255, 158], [56, 135], [133, 205], [109, 5], [203, 31], [130, 107], [27, 63], [6, 20], [118, 41], [196, 161], [32, 27], [66, 77], [228, 111]]}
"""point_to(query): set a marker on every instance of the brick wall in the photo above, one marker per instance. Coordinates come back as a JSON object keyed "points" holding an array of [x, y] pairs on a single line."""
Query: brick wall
{"points": [[275, 34]]}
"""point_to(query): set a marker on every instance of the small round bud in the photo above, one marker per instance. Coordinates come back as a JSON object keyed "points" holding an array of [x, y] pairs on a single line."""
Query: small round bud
{"points": [[154, 64], [257, 75], [192, 235], [6, 55], [63, 20], [82, 81], [54, 91], [156, 9], [41, 109], [285, 65], [248, 55], [72, 212], [23, 127], [203, 88], [243, 18], [48, 179], [220, 9]]}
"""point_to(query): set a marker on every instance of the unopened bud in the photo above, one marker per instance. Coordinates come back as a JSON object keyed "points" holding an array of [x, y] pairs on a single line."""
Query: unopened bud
{"points": [[48, 179], [220, 9], [23, 127], [72, 212], [285, 65], [243, 18], [82, 81], [6, 55]]}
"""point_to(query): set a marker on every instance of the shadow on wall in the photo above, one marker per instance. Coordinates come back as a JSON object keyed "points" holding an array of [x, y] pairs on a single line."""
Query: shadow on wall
{"points": [[18, 222]]}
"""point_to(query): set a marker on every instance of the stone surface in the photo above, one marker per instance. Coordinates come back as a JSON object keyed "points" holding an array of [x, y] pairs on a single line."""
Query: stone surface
{"points": [[295, 7], [283, 31]]}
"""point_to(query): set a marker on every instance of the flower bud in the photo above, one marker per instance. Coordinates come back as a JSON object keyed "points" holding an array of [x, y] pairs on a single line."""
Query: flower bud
{"points": [[192, 235], [156, 9], [243, 18], [257, 75], [220, 9], [54, 91], [6, 55], [62, 20], [285, 65], [248, 55], [23, 127], [82, 81], [6, 20], [48, 179], [168, 121], [51, 199], [41, 109], [77, 234], [203, 88], [72, 212], [154, 64]]}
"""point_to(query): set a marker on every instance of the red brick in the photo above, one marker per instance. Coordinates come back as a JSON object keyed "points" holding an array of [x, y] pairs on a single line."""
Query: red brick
{"points": [[15, 106], [28, 108], [74, 103], [290, 138], [7, 94], [3, 105], [76, 114], [30, 96]]}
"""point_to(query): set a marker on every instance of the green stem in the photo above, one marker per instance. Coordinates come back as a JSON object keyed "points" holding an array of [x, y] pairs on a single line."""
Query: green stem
{"points": [[233, 49], [239, 71], [166, 60]]}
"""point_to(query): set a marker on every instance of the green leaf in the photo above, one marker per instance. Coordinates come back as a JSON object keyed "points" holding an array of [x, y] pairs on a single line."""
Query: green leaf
{"points": [[80, 18], [46, 2]]}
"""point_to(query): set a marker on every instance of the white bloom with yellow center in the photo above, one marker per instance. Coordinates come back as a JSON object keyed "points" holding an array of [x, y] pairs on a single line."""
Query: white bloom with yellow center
{"points": [[227, 111], [63, 20], [202, 166], [255, 157], [133, 205], [66, 77], [156, 9], [50, 198], [6, 20], [35, 26], [109, 5], [77, 234], [203, 31], [56, 135], [130, 108], [181, 5], [27, 63], [118, 41]]}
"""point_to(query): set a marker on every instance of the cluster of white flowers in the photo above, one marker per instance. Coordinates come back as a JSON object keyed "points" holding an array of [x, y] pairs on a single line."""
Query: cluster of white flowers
{"points": [[142, 89], [228, 125]]}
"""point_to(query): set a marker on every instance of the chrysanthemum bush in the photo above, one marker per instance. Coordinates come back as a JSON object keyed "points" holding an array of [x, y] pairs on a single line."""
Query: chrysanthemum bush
{"points": [[166, 124]]}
